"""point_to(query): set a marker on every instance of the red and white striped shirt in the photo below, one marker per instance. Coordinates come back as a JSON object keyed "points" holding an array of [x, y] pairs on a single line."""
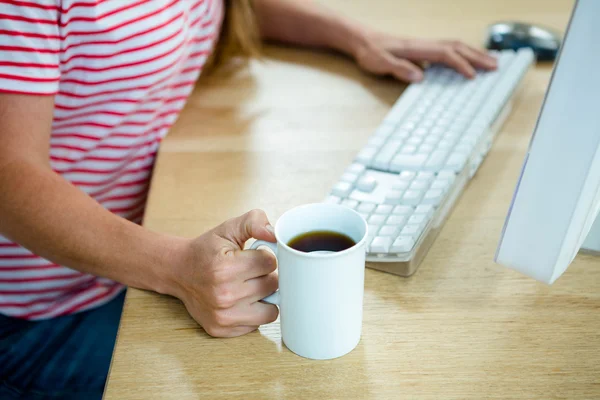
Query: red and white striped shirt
{"points": [[120, 72]]}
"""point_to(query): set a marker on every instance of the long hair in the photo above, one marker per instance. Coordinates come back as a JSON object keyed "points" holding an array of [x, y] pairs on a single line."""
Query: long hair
{"points": [[239, 35]]}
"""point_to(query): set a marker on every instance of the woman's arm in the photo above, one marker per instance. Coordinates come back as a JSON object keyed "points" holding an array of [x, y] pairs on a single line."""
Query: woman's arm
{"points": [[49, 216], [219, 283], [304, 23]]}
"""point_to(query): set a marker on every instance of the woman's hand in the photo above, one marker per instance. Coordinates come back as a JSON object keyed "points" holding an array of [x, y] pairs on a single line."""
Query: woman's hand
{"points": [[221, 284], [384, 54]]}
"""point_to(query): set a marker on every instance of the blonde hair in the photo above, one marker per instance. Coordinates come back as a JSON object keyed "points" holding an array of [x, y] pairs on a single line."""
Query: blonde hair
{"points": [[239, 35]]}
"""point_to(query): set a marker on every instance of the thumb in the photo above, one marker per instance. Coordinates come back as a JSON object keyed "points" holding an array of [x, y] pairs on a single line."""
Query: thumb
{"points": [[403, 69], [253, 224]]}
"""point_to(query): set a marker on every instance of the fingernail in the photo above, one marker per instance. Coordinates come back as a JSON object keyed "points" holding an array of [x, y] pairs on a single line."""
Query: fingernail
{"points": [[269, 227], [415, 76]]}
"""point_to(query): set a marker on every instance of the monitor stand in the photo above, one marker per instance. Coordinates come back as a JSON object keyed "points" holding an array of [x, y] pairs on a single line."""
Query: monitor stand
{"points": [[592, 241]]}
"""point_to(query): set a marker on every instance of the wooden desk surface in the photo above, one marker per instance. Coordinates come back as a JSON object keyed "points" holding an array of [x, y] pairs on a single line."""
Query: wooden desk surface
{"points": [[278, 135]]}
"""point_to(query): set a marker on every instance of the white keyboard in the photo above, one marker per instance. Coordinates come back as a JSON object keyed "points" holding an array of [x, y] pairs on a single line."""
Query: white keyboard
{"points": [[407, 177]]}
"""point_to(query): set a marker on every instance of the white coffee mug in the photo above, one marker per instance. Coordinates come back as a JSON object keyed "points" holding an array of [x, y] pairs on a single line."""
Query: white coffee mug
{"points": [[320, 294]]}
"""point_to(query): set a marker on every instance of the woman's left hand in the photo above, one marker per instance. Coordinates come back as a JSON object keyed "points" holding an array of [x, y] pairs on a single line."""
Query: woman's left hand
{"points": [[384, 54]]}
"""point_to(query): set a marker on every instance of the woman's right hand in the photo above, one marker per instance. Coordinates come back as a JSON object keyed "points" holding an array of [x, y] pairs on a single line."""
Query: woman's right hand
{"points": [[221, 284]]}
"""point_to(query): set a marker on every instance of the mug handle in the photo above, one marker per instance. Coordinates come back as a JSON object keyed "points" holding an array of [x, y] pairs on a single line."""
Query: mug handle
{"points": [[274, 297]]}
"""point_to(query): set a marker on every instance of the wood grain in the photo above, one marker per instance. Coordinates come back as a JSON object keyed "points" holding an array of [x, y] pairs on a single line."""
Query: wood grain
{"points": [[278, 134]]}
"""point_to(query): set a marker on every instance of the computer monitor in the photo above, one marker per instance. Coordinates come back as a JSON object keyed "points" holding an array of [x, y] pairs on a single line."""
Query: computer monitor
{"points": [[554, 212]]}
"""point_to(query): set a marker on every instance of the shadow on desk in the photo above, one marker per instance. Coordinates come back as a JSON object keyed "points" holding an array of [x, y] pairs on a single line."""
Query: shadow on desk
{"points": [[324, 61], [341, 66], [219, 368]]}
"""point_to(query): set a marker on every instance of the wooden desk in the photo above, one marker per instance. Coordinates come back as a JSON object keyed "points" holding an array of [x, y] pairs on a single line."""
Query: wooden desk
{"points": [[278, 135]]}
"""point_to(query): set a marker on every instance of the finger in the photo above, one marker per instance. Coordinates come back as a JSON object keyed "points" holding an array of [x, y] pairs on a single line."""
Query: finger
{"points": [[483, 53], [252, 314], [230, 331], [257, 313], [403, 69], [458, 62], [253, 224], [254, 263], [477, 58], [258, 288]]}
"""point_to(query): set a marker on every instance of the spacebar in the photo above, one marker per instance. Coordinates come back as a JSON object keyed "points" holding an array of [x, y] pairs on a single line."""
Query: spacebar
{"points": [[407, 162]]}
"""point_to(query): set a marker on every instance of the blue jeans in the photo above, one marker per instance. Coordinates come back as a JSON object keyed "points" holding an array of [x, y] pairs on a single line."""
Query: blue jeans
{"points": [[62, 358]]}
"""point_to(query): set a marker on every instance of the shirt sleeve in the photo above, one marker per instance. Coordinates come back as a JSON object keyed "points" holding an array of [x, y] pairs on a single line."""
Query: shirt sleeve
{"points": [[29, 46]]}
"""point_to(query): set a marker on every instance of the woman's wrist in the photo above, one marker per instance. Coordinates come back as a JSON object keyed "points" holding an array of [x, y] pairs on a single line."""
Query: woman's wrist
{"points": [[172, 256], [348, 37]]}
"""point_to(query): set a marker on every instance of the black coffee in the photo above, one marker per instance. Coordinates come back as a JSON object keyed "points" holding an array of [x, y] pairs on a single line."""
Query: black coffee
{"points": [[321, 241]]}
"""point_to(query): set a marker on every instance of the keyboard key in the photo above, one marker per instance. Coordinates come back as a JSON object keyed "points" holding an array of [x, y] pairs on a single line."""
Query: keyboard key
{"points": [[468, 141], [412, 197], [397, 220], [364, 215], [390, 230], [382, 161], [402, 210], [432, 140], [414, 140], [421, 109], [366, 184], [441, 184], [445, 144], [376, 219], [414, 117], [425, 148], [458, 126], [402, 244], [444, 122], [408, 149], [427, 124], [407, 175], [417, 219], [341, 189], [446, 174], [368, 243], [401, 134], [356, 169], [350, 203], [409, 126], [400, 185], [425, 176], [411, 230], [436, 160], [426, 210], [410, 161], [333, 200], [463, 148], [393, 145], [437, 131], [366, 207], [384, 209], [433, 196], [394, 197], [349, 177], [366, 155], [373, 229], [381, 244], [456, 161], [419, 185], [423, 129]]}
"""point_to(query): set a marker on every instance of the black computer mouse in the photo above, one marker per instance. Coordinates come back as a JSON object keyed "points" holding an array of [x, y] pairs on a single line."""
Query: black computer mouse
{"points": [[544, 42]]}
